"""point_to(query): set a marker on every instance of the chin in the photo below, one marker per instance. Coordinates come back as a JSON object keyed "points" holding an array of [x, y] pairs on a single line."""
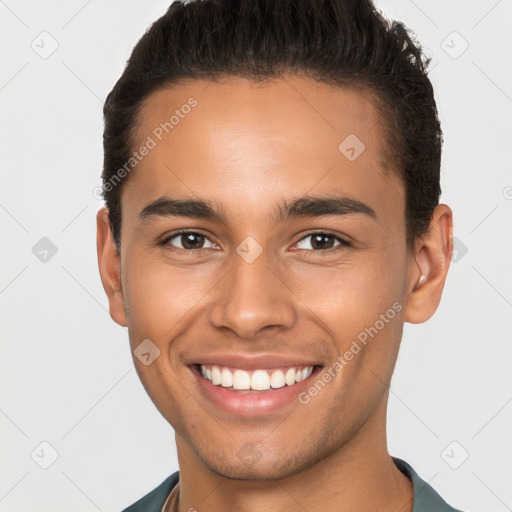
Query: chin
{"points": [[251, 463], [259, 471]]}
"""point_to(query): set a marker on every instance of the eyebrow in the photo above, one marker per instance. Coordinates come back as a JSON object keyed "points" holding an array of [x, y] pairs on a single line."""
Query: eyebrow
{"points": [[302, 207]]}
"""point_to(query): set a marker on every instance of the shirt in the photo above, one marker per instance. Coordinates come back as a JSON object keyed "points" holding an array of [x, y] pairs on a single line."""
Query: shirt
{"points": [[426, 499]]}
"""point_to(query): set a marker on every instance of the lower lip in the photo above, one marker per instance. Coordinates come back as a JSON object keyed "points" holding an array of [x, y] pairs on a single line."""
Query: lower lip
{"points": [[250, 404]]}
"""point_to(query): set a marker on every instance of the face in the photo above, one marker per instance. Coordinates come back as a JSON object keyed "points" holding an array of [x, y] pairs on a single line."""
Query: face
{"points": [[263, 255]]}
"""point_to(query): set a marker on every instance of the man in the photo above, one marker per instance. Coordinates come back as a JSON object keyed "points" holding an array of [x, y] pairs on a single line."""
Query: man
{"points": [[272, 219]]}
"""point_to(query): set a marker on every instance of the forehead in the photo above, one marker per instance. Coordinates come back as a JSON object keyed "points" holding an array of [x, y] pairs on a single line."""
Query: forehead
{"points": [[259, 141]]}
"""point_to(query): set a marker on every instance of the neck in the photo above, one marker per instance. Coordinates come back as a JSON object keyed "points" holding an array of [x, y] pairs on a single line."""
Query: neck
{"points": [[359, 475]]}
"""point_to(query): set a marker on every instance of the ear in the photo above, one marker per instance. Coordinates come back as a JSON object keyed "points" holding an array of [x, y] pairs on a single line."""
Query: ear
{"points": [[110, 267], [429, 267]]}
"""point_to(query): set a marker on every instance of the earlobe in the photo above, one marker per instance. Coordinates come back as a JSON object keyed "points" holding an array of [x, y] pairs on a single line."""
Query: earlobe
{"points": [[110, 267], [429, 267]]}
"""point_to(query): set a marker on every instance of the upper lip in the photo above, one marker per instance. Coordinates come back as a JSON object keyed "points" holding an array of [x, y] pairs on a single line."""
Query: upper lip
{"points": [[254, 362]]}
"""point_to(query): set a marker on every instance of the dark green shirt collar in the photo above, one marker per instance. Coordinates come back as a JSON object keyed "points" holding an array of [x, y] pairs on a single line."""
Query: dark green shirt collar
{"points": [[426, 498]]}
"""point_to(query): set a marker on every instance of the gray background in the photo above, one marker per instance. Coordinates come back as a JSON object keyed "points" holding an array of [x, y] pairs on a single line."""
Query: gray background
{"points": [[67, 377]]}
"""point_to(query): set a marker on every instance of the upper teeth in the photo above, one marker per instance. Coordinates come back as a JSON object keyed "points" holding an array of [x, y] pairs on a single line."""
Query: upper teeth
{"points": [[259, 380]]}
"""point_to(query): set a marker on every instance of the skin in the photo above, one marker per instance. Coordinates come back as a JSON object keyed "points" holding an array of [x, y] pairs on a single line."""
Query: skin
{"points": [[246, 148]]}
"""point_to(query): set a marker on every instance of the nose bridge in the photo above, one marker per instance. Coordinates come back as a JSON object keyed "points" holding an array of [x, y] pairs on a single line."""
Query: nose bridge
{"points": [[251, 297]]}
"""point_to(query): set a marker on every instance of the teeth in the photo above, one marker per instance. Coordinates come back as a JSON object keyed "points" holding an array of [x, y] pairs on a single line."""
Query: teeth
{"points": [[260, 380], [241, 379], [277, 379], [226, 378], [216, 376], [290, 377]]}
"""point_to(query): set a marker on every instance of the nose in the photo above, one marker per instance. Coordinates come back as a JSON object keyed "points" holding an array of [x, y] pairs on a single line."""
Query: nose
{"points": [[252, 297]]}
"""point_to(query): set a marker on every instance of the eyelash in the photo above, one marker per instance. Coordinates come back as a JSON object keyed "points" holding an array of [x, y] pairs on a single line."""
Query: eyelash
{"points": [[343, 244]]}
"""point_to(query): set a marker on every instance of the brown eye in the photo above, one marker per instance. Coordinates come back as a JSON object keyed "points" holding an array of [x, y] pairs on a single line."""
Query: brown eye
{"points": [[189, 240], [320, 242]]}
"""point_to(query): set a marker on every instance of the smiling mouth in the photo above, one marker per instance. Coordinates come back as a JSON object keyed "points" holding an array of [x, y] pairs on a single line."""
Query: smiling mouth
{"points": [[258, 380]]}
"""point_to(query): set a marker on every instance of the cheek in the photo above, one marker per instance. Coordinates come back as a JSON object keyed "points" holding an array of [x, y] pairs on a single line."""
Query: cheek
{"points": [[350, 295], [159, 296]]}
